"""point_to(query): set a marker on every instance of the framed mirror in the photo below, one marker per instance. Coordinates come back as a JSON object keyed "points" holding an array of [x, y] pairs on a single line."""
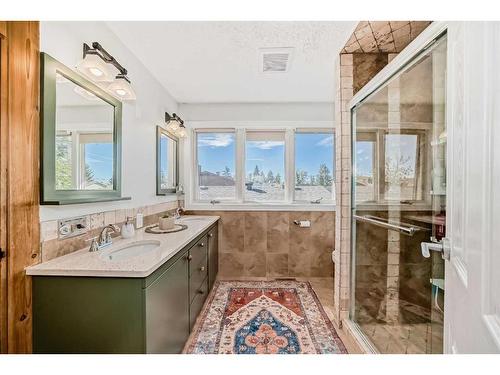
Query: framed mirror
{"points": [[81, 138], [167, 159]]}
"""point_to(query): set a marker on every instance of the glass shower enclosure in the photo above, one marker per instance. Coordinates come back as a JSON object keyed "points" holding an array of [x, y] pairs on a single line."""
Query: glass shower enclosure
{"points": [[398, 204]]}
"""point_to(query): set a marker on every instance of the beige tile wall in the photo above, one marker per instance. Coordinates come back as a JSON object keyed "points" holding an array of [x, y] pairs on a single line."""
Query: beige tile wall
{"points": [[269, 244], [52, 247]]}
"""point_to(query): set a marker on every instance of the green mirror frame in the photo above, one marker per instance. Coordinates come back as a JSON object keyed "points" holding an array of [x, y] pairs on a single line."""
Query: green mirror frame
{"points": [[49, 67], [159, 190]]}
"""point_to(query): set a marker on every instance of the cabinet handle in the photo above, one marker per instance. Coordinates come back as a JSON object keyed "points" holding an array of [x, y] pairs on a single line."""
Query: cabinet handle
{"points": [[202, 269], [210, 235], [189, 257], [202, 244]]}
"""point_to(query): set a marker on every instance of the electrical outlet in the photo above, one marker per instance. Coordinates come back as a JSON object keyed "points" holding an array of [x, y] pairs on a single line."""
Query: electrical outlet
{"points": [[72, 227]]}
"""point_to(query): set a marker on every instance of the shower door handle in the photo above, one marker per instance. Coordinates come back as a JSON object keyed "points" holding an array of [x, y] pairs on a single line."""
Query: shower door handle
{"points": [[442, 247], [407, 229]]}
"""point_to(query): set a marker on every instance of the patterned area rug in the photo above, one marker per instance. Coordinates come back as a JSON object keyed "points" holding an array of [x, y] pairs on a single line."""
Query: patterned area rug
{"points": [[263, 317]]}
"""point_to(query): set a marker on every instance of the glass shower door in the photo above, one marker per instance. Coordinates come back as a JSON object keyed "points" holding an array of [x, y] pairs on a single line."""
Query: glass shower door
{"points": [[399, 202]]}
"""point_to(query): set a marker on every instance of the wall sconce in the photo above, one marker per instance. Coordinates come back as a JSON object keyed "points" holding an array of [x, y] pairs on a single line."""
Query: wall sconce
{"points": [[175, 125], [95, 65]]}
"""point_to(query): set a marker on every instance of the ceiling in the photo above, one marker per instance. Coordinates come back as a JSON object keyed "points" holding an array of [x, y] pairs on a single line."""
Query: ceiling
{"points": [[218, 62]]}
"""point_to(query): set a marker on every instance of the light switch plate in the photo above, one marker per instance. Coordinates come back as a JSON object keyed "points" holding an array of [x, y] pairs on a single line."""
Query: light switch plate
{"points": [[73, 227]]}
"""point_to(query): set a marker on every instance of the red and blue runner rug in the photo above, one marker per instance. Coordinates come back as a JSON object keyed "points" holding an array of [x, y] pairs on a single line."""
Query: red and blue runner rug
{"points": [[263, 317]]}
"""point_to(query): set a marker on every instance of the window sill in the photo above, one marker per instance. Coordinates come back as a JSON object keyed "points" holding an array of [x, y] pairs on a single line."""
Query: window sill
{"points": [[256, 206]]}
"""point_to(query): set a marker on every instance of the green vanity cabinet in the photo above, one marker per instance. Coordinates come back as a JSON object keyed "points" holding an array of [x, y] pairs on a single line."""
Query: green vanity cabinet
{"points": [[167, 310], [213, 256], [154, 314]]}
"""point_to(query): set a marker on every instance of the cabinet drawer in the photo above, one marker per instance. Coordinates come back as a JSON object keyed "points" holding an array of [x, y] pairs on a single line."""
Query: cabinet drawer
{"points": [[197, 253], [198, 274], [201, 294]]}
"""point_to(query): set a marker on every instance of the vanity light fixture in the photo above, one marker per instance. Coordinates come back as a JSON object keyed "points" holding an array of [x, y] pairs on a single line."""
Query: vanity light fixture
{"points": [[121, 88], [95, 65], [175, 124]]}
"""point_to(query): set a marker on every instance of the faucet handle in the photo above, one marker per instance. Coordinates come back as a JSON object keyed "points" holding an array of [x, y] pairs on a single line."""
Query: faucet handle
{"points": [[94, 246]]}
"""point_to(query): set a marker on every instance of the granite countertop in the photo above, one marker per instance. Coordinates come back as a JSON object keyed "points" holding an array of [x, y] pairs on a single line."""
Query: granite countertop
{"points": [[85, 263]]}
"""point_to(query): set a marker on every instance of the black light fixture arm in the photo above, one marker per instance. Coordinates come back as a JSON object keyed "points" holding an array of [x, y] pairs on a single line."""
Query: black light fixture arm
{"points": [[98, 50], [173, 117]]}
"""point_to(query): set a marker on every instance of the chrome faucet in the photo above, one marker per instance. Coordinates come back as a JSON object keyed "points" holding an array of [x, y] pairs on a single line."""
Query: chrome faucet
{"points": [[178, 212], [105, 236]]}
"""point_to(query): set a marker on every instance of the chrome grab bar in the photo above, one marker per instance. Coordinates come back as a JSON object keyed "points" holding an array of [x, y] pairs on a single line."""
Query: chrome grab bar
{"points": [[404, 228]]}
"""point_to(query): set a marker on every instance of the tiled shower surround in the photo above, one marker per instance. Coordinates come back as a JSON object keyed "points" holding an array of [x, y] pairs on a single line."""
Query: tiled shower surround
{"points": [[52, 247], [269, 244]]}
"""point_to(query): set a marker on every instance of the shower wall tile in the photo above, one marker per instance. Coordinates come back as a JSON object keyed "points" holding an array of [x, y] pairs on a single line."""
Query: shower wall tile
{"points": [[269, 244]]}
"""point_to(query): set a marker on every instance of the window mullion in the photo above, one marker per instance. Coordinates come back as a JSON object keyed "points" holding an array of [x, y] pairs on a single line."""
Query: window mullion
{"points": [[289, 165], [240, 164]]}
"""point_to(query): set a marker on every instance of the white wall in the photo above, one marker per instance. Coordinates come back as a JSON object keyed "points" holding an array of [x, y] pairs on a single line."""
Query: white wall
{"points": [[64, 41], [299, 111]]}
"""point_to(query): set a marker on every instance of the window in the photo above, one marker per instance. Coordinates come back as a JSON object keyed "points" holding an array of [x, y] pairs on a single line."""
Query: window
{"points": [[281, 166], [84, 161], [400, 167], [365, 167], [216, 165], [265, 166], [390, 166], [96, 161], [314, 167]]}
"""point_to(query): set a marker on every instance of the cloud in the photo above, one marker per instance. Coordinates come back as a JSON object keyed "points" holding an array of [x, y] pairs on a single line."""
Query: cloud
{"points": [[266, 145], [215, 140], [255, 159], [326, 142]]}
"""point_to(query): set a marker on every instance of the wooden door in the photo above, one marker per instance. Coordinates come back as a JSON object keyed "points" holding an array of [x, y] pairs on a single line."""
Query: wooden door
{"points": [[3, 196], [19, 179]]}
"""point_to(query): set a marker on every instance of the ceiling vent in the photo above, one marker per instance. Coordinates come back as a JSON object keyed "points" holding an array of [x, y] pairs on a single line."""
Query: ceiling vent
{"points": [[275, 60]]}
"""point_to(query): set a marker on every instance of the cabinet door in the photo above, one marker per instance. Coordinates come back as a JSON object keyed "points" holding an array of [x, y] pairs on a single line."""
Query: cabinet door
{"points": [[213, 255], [167, 310]]}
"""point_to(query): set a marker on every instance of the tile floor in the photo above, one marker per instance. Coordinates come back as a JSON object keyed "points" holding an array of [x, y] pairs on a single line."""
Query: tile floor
{"points": [[406, 338]]}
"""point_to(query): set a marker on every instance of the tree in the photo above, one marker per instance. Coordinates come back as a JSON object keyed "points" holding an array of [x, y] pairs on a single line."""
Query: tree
{"points": [[277, 179], [89, 175], [324, 177], [270, 177], [63, 168], [398, 170], [256, 171], [301, 177], [226, 172]]}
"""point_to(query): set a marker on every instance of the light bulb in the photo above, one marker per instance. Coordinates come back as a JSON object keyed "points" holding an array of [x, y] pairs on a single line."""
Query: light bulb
{"points": [[122, 89], [96, 69]]}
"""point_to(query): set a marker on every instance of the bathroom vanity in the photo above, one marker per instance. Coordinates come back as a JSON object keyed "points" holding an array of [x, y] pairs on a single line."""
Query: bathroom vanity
{"points": [[146, 303]]}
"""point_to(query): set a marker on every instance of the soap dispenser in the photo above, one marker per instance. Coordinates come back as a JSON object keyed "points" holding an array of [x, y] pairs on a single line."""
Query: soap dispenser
{"points": [[128, 230]]}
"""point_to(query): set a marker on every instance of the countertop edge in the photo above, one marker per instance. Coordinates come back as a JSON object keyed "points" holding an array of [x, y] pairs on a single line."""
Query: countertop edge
{"points": [[35, 271]]}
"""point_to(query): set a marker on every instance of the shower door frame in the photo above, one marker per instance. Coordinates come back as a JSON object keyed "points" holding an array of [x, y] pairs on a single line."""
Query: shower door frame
{"points": [[417, 47]]}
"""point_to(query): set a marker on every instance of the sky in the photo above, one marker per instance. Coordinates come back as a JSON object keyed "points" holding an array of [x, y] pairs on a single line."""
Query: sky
{"points": [[99, 157], [217, 150]]}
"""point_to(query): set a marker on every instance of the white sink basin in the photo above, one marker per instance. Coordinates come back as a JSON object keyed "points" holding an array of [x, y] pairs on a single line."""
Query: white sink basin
{"points": [[130, 250]]}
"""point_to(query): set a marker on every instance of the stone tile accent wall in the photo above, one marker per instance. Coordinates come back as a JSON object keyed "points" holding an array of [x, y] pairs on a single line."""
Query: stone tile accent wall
{"points": [[269, 244], [383, 36], [52, 247]]}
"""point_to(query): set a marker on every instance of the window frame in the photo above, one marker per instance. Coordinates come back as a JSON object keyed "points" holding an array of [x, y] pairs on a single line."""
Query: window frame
{"points": [[378, 135], [196, 181], [238, 201], [315, 131], [285, 174]]}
